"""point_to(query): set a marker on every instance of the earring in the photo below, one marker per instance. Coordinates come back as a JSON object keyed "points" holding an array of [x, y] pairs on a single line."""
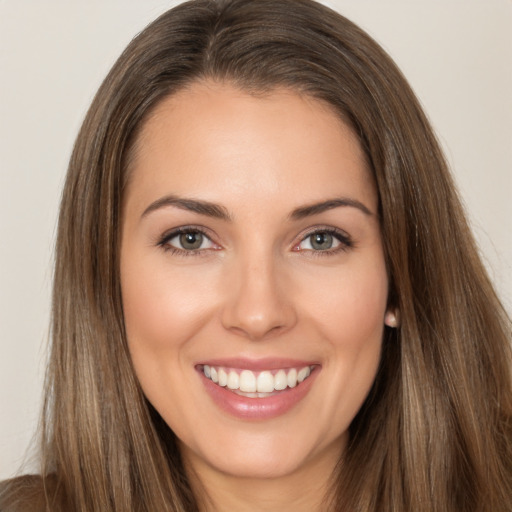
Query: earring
{"points": [[392, 318]]}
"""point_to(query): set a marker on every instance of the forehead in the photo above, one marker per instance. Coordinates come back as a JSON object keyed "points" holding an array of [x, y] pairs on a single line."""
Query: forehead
{"points": [[212, 138]]}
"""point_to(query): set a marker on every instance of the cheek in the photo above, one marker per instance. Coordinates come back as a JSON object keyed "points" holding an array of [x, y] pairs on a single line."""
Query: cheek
{"points": [[351, 305], [350, 319], [162, 308]]}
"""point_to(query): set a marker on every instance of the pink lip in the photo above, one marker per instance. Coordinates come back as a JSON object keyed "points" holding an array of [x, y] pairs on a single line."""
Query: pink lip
{"points": [[257, 408], [256, 365]]}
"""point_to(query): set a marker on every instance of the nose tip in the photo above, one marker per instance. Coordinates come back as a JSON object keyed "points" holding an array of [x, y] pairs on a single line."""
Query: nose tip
{"points": [[256, 325], [258, 307]]}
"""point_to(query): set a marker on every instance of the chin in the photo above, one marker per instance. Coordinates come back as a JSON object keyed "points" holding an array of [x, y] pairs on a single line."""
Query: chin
{"points": [[266, 455]]}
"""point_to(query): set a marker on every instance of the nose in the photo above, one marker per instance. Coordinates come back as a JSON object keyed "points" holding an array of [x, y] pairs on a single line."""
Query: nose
{"points": [[258, 304]]}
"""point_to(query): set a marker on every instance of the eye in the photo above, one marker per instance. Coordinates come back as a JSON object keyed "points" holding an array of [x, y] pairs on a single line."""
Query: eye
{"points": [[325, 240], [187, 240], [320, 241]]}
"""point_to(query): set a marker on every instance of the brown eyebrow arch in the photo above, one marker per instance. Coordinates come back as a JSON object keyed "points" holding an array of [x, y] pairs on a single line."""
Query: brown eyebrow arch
{"points": [[316, 208], [193, 205]]}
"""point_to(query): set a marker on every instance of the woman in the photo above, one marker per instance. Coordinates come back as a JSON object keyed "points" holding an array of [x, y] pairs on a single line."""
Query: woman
{"points": [[266, 294]]}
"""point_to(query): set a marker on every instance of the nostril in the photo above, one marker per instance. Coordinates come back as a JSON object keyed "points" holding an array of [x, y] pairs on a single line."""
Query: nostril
{"points": [[257, 306], [257, 326]]}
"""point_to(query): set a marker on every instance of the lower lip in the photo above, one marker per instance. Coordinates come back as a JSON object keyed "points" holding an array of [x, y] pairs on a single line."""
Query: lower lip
{"points": [[258, 408]]}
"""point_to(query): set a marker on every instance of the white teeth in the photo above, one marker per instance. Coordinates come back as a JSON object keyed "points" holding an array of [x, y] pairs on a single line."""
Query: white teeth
{"points": [[223, 377], [233, 380], [303, 374], [265, 382], [247, 383], [248, 395], [292, 378], [252, 395], [280, 380]]}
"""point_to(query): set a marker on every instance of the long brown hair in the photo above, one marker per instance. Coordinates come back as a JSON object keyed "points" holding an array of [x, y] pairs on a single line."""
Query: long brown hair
{"points": [[435, 432]]}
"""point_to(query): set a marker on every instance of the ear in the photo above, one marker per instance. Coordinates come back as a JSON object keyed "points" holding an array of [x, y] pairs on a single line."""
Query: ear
{"points": [[392, 318]]}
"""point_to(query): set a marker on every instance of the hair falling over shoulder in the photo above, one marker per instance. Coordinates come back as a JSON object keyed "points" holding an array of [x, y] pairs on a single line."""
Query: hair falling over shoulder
{"points": [[435, 433]]}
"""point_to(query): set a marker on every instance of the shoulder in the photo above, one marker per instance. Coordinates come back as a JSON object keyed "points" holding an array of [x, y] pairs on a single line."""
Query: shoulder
{"points": [[29, 493]]}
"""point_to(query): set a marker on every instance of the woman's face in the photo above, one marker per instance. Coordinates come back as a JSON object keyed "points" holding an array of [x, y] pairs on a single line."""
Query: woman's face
{"points": [[251, 258]]}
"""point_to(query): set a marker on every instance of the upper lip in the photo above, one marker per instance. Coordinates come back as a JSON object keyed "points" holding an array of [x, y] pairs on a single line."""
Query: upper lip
{"points": [[261, 364]]}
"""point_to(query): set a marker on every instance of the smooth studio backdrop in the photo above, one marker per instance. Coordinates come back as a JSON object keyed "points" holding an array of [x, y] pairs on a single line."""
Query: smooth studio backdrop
{"points": [[457, 54]]}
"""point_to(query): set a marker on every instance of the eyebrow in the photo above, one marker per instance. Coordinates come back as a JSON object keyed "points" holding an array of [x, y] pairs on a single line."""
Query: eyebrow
{"points": [[192, 205], [316, 208], [220, 212]]}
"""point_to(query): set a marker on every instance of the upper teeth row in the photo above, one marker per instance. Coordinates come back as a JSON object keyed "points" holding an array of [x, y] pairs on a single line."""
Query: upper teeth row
{"points": [[250, 382]]}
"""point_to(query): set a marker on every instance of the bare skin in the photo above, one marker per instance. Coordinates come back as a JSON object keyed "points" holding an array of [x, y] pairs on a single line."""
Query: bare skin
{"points": [[250, 231]]}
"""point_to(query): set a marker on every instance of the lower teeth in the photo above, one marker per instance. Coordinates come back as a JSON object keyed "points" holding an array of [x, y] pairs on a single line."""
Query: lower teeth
{"points": [[253, 395]]}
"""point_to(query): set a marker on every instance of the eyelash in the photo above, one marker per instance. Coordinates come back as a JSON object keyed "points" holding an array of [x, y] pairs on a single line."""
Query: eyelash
{"points": [[166, 237], [345, 242]]}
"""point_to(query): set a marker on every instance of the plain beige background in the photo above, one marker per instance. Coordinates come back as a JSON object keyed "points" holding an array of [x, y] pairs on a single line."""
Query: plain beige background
{"points": [[457, 55]]}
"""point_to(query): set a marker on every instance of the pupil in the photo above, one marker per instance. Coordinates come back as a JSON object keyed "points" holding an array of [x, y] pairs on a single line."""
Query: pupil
{"points": [[191, 241], [321, 241]]}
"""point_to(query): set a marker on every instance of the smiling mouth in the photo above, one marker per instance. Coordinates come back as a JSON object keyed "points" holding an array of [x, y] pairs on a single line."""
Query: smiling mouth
{"points": [[256, 384]]}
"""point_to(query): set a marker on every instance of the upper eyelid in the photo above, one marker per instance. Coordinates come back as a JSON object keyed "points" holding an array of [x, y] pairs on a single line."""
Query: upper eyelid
{"points": [[323, 229], [345, 240], [163, 241], [342, 235], [171, 233]]}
